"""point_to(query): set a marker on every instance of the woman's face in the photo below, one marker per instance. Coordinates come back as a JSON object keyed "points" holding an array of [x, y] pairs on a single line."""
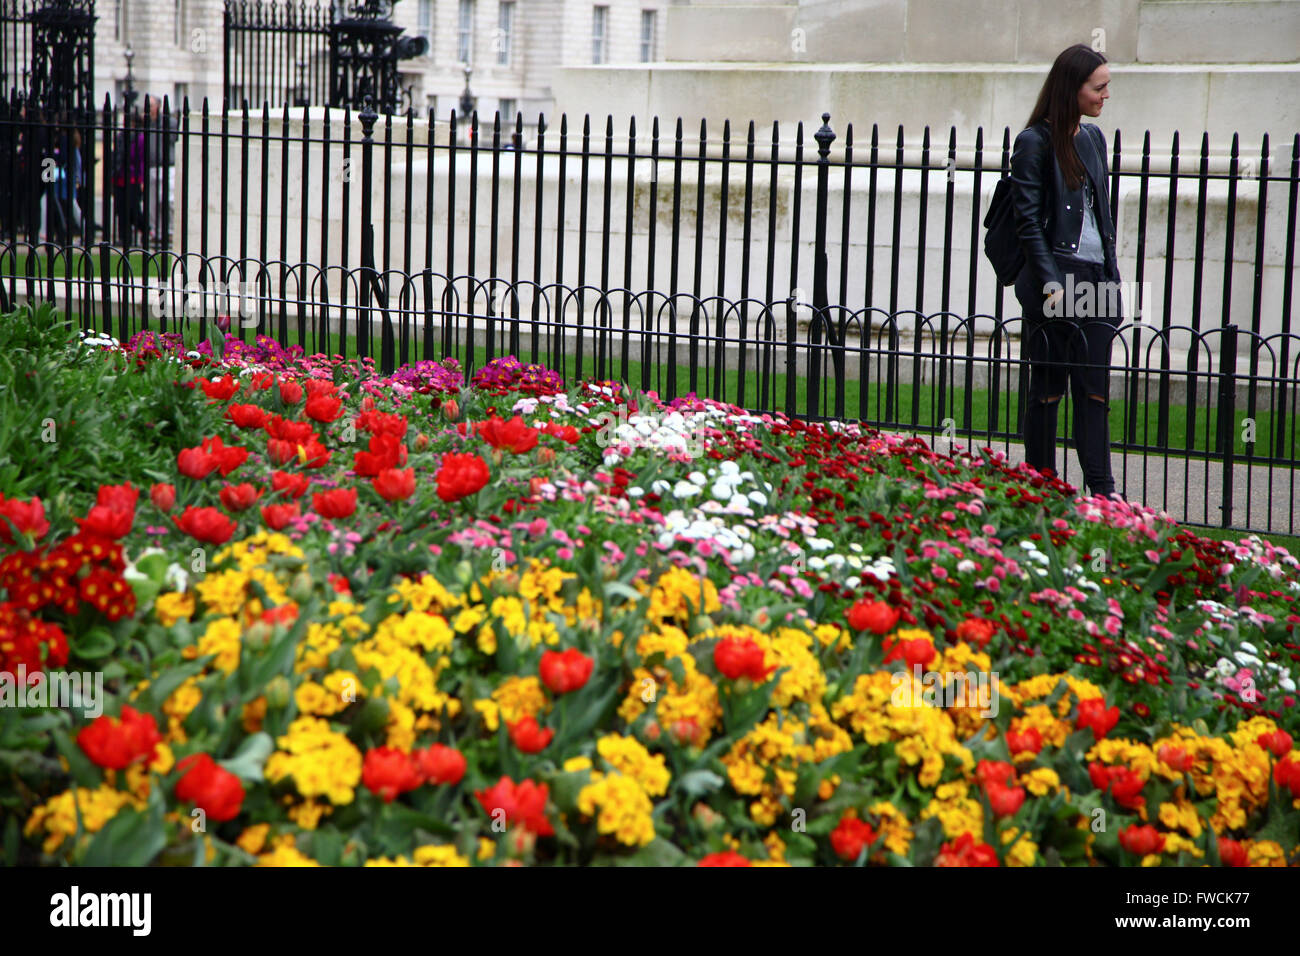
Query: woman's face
{"points": [[1095, 91]]}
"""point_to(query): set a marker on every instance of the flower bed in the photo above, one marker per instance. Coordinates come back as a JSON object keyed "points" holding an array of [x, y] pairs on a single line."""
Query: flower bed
{"points": [[347, 619]]}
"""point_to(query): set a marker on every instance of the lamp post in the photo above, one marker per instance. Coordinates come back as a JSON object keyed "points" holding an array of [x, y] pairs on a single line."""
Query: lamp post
{"points": [[128, 91], [303, 98], [467, 101]]}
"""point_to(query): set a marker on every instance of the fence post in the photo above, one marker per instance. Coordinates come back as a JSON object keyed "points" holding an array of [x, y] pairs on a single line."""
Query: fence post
{"points": [[821, 297], [1225, 431], [368, 117]]}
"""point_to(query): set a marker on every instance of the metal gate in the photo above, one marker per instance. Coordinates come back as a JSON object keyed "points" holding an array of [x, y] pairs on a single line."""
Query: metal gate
{"points": [[281, 53], [47, 53]]}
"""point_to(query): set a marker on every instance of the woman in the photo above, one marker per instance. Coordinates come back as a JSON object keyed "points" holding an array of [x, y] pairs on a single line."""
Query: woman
{"points": [[128, 181], [1069, 285]]}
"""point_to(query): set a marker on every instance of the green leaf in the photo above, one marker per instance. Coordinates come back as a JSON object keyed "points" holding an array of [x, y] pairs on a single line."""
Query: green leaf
{"points": [[130, 838], [251, 756], [95, 644], [85, 773], [698, 783]]}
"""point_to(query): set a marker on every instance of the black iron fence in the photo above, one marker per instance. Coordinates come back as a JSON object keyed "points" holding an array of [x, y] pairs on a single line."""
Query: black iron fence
{"points": [[315, 53], [47, 52], [714, 273], [277, 52]]}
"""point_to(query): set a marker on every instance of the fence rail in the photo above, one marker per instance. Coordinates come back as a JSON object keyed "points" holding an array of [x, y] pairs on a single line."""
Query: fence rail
{"points": [[772, 277]]}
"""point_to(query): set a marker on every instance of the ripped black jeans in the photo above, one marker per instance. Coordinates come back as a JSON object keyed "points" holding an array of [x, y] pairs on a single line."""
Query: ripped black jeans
{"points": [[1070, 340]]}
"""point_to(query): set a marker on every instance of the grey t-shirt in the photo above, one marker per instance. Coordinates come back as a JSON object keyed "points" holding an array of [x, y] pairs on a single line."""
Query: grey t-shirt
{"points": [[1090, 247]]}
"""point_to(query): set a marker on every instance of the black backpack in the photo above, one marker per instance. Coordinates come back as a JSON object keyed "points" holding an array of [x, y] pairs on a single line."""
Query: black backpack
{"points": [[1001, 244]]}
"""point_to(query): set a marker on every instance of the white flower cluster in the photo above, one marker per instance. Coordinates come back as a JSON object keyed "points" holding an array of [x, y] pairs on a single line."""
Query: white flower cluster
{"points": [[96, 339], [696, 527], [855, 565], [724, 483], [1247, 656], [1035, 554]]}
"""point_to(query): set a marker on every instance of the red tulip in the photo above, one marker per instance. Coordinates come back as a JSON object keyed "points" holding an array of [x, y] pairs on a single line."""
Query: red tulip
{"points": [[213, 789], [389, 773], [976, 631], [724, 858], [335, 504], [1005, 801], [1029, 740], [736, 657], [323, 408], [195, 463], [440, 764], [966, 852], [875, 616], [206, 524], [286, 429], [290, 392], [1175, 758], [529, 737], [1141, 840], [1232, 853], [1277, 742], [117, 743], [320, 388], [27, 516], [221, 389], [246, 416], [113, 513], [163, 497], [523, 803], [565, 672], [386, 451], [1093, 713], [239, 497], [395, 485], [514, 435], [851, 836], [989, 772], [278, 517], [461, 476], [1286, 773], [293, 484]]}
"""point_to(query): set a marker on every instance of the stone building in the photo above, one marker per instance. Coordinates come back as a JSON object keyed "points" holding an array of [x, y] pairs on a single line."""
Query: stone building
{"points": [[513, 48]]}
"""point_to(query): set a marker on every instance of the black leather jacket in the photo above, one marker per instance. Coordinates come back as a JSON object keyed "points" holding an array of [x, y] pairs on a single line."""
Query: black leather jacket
{"points": [[1049, 216]]}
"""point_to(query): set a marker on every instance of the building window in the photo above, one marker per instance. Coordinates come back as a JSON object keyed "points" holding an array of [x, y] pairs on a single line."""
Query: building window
{"points": [[178, 18], [647, 36], [599, 32], [507, 109], [177, 105], [464, 36], [505, 32], [119, 19], [425, 28]]}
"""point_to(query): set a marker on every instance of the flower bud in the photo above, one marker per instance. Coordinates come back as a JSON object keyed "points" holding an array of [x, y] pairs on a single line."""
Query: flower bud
{"points": [[258, 636], [545, 455], [277, 692], [451, 408], [464, 573], [223, 323], [301, 588], [421, 442]]}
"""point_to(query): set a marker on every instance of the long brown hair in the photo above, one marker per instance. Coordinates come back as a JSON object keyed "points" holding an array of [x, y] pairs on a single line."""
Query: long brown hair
{"points": [[1058, 103]]}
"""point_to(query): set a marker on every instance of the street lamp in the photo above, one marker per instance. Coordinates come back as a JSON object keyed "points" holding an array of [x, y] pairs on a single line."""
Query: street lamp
{"points": [[466, 99], [128, 91]]}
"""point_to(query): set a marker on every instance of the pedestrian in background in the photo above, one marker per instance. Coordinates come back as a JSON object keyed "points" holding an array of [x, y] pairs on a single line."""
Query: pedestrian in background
{"points": [[1068, 287]]}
